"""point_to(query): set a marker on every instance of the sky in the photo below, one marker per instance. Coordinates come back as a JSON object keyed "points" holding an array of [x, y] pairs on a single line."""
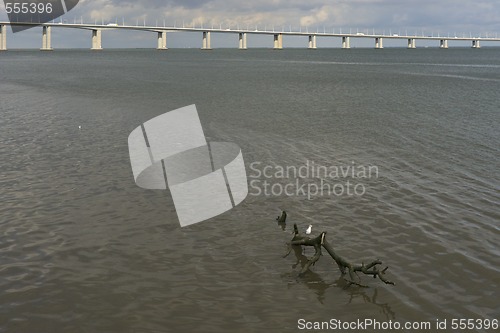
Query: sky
{"points": [[430, 17]]}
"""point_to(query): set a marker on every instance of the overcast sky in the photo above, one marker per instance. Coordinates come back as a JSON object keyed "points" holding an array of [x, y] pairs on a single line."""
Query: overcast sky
{"points": [[431, 17]]}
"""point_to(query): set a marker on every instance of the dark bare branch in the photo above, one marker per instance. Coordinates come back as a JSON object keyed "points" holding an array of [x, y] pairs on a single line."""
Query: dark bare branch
{"points": [[345, 267]]}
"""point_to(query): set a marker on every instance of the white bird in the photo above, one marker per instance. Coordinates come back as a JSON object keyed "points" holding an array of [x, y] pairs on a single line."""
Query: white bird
{"points": [[308, 231]]}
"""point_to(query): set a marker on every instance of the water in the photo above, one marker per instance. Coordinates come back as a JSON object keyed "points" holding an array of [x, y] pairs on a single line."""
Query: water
{"points": [[83, 249]]}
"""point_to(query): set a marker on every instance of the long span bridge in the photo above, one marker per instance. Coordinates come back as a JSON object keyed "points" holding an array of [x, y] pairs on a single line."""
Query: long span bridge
{"points": [[277, 36]]}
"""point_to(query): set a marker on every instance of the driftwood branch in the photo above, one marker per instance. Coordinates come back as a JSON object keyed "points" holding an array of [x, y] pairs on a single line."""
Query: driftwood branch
{"points": [[345, 267]]}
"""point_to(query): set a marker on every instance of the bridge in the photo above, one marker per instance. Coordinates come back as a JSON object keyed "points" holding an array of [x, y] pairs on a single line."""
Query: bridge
{"points": [[277, 36]]}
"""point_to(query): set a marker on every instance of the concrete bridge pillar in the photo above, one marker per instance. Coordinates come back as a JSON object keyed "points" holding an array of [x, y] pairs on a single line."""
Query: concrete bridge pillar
{"points": [[46, 39], [162, 40], [411, 43], [379, 43], [346, 42], [312, 42], [3, 38], [206, 44], [476, 44], [278, 41], [96, 39], [443, 44], [242, 41]]}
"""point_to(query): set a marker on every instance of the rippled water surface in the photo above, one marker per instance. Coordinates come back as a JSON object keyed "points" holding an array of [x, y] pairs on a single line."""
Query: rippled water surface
{"points": [[83, 249]]}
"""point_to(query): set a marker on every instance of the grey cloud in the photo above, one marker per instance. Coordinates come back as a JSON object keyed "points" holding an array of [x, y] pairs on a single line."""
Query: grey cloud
{"points": [[149, 4], [481, 14]]}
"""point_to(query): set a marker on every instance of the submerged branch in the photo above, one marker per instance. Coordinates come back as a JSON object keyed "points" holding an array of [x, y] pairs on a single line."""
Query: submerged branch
{"points": [[345, 267]]}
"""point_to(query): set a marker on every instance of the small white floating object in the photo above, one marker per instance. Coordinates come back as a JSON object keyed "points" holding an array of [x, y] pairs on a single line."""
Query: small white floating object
{"points": [[79, 126], [308, 231]]}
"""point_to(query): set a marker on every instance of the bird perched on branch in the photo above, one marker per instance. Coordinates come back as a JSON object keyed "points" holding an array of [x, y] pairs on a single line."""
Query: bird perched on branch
{"points": [[308, 231]]}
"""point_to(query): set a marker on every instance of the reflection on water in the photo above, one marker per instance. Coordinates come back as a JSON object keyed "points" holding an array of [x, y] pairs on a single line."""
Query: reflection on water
{"points": [[384, 308], [319, 286]]}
